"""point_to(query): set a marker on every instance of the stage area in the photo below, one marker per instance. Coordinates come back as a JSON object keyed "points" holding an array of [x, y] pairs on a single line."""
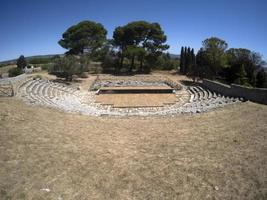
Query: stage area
{"points": [[136, 100]]}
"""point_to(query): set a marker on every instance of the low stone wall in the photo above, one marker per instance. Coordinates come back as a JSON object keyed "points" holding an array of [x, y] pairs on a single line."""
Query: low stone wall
{"points": [[32, 70], [6, 90], [258, 95], [137, 80], [9, 86]]}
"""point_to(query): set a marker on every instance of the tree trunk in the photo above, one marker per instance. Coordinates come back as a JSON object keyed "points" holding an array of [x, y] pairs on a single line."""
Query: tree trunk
{"points": [[141, 64], [132, 64], [121, 62]]}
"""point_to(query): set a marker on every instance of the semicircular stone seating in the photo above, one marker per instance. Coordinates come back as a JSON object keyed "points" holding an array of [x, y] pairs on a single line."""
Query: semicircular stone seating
{"points": [[192, 99], [203, 99]]}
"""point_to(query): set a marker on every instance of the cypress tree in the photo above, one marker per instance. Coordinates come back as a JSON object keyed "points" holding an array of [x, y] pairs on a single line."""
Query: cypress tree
{"points": [[182, 60], [194, 70], [200, 63], [185, 60], [21, 62], [188, 60], [193, 58]]}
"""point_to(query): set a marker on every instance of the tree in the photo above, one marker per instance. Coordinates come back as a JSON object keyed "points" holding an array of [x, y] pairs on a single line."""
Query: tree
{"points": [[14, 72], [185, 60], [21, 62], [121, 40], [235, 59], [251, 61], [242, 79], [105, 49], [182, 60], [214, 55], [166, 62], [66, 67], [137, 37], [193, 69], [256, 63], [236, 65], [261, 79], [132, 52], [86, 36], [84, 63], [141, 54], [193, 57], [201, 62], [188, 60]]}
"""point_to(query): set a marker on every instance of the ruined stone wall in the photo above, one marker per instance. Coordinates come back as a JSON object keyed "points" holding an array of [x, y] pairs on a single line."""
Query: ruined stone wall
{"points": [[258, 95], [105, 79], [9, 86]]}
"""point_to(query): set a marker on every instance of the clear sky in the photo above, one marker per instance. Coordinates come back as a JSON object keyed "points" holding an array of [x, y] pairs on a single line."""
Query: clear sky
{"points": [[33, 27]]}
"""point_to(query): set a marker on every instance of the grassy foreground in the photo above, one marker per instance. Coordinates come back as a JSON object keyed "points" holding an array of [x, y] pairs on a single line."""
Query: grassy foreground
{"points": [[47, 154]]}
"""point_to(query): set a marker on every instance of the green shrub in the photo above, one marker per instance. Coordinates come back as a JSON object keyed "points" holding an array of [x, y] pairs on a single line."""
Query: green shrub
{"points": [[84, 63], [14, 72], [110, 64], [65, 67], [46, 66], [40, 60]]}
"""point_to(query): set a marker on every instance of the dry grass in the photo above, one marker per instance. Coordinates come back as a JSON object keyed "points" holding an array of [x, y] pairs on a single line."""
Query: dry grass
{"points": [[44, 74], [216, 155], [6, 68]]}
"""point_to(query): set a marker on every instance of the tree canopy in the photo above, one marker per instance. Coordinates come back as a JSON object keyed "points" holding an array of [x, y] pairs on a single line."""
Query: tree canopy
{"points": [[213, 50], [139, 39], [261, 79], [235, 65], [86, 36], [187, 61], [65, 67], [139, 46], [251, 62]]}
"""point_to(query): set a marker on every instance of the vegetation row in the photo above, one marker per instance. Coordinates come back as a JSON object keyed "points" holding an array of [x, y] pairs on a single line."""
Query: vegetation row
{"points": [[140, 46]]}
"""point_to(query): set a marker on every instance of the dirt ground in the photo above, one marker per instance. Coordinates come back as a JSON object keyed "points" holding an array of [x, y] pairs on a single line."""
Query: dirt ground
{"points": [[47, 154], [136, 100]]}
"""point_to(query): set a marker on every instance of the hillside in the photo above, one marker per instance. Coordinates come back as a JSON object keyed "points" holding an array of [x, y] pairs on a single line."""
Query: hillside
{"points": [[13, 61]]}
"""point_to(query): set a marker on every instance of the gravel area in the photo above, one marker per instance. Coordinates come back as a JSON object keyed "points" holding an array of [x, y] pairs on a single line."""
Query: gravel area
{"points": [[120, 83]]}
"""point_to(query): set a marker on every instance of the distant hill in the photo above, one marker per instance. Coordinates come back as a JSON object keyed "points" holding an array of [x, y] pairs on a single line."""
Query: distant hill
{"points": [[41, 57], [174, 56]]}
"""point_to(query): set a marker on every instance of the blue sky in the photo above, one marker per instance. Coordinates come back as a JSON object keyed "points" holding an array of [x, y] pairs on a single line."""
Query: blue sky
{"points": [[33, 27]]}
